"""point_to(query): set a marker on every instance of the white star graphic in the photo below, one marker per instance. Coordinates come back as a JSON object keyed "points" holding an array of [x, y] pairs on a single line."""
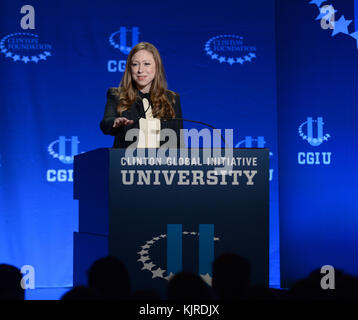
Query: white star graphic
{"points": [[143, 252], [9, 54], [214, 56], [42, 57], [158, 273], [231, 61], [34, 58], [222, 59], [216, 238], [163, 235], [25, 59], [145, 247], [240, 60], [156, 238], [148, 266], [47, 53], [16, 57], [150, 242], [143, 259]]}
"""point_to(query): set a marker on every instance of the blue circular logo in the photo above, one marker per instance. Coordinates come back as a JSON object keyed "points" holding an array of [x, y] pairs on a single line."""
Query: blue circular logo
{"points": [[25, 47], [230, 49]]}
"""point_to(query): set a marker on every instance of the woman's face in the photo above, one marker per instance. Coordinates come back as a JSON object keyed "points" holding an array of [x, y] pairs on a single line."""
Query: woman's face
{"points": [[143, 70]]}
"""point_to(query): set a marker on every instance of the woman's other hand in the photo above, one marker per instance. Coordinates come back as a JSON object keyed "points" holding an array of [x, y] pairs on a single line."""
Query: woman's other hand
{"points": [[121, 121]]}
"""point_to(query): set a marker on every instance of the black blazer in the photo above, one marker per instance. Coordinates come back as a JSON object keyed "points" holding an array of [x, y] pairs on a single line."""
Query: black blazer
{"points": [[135, 112]]}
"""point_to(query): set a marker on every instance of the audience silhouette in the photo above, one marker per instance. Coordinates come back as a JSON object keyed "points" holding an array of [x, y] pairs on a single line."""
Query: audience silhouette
{"points": [[309, 288], [108, 279], [10, 283], [231, 276], [188, 286], [146, 295]]}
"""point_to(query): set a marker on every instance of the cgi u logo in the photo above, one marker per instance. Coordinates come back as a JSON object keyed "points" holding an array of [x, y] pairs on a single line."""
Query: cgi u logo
{"points": [[61, 154], [123, 46], [175, 252], [123, 39], [313, 141]]}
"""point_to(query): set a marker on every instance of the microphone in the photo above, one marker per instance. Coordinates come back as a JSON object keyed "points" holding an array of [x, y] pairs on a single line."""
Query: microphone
{"points": [[180, 119], [199, 122]]}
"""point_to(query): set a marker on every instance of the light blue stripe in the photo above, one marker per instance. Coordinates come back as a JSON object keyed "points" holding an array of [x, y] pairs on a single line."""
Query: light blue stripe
{"points": [[174, 248], [74, 146], [206, 248], [62, 146]]}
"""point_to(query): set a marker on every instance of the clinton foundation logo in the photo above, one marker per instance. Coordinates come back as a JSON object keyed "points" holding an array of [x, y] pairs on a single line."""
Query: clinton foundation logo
{"points": [[231, 49], [63, 149], [124, 40], [24, 47], [312, 132], [174, 238]]}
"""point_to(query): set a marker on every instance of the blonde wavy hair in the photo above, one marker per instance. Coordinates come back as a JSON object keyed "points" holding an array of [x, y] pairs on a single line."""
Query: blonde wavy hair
{"points": [[128, 92]]}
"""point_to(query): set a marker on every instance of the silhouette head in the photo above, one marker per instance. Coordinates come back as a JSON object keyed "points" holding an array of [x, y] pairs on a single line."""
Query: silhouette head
{"points": [[110, 278], [10, 283], [231, 276], [188, 286]]}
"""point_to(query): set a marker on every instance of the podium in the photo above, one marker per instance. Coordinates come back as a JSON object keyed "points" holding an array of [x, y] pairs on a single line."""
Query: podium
{"points": [[161, 214]]}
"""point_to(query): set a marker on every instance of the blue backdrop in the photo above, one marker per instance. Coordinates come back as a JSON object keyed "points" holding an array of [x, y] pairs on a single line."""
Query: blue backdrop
{"points": [[222, 59], [317, 126]]}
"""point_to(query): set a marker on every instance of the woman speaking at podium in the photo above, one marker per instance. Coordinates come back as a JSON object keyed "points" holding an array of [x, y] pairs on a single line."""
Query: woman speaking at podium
{"points": [[142, 101]]}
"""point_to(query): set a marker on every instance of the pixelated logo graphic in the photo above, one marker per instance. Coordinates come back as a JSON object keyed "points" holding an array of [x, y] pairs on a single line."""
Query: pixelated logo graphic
{"points": [[118, 39], [259, 142], [250, 142], [230, 48], [62, 143], [25, 47], [328, 18], [308, 135], [174, 252]]}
